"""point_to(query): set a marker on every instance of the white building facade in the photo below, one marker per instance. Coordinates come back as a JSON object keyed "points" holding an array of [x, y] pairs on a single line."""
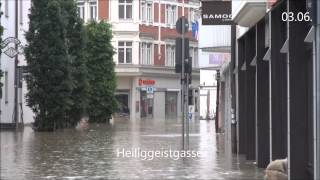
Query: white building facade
{"points": [[15, 22], [144, 41]]}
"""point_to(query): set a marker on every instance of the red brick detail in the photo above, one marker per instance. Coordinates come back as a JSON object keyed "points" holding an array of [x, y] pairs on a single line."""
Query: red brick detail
{"points": [[149, 31], [168, 33], [156, 12], [103, 9], [163, 13]]}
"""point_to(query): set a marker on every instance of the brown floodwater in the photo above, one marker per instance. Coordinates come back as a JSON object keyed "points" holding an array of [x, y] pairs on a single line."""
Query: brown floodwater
{"points": [[93, 153]]}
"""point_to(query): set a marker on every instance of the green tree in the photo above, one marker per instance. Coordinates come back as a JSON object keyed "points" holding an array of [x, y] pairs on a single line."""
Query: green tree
{"points": [[76, 37], [102, 102], [49, 65]]}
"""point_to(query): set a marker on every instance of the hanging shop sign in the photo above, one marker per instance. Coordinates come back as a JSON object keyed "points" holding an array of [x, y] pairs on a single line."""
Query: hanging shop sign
{"points": [[146, 82], [150, 90], [11, 47], [216, 13]]}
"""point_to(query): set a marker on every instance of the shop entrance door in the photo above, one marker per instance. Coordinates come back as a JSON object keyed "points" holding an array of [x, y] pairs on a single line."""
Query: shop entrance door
{"points": [[146, 106], [123, 103], [171, 105]]}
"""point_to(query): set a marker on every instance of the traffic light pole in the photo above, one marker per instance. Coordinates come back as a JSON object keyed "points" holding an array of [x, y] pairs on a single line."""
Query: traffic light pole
{"points": [[183, 88], [187, 109], [182, 54]]}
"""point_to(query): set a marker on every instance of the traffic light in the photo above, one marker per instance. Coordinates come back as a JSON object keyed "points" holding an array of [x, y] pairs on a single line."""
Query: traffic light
{"points": [[178, 53], [188, 66], [182, 25]]}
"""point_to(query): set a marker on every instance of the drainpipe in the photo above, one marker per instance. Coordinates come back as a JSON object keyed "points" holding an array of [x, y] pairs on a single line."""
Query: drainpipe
{"points": [[15, 69]]}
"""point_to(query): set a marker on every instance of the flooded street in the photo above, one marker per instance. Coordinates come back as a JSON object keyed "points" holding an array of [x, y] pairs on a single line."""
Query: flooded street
{"points": [[92, 153]]}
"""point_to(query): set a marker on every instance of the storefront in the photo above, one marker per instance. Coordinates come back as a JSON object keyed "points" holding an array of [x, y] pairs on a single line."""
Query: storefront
{"points": [[154, 97]]}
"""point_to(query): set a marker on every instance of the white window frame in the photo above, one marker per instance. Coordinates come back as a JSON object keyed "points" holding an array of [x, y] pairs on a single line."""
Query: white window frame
{"points": [[81, 9], [146, 53], [146, 12], [6, 8], [191, 17], [149, 14], [170, 55], [171, 15], [143, 15], [125, 47], [125, 4], [196, 57], [93, 7]]}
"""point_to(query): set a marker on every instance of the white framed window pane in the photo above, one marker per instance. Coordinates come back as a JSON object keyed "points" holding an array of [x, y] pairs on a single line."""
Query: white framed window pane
{"points": [[121, 55], [128, 55], [128, 11], [149, 12], [143, 12], [167, 55], [93, 10], [121, 11], [173, 55], [128, 43], [168, 14]]}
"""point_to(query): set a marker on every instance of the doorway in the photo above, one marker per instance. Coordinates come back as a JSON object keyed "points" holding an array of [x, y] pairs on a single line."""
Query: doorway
{"points": [[171, 105]]}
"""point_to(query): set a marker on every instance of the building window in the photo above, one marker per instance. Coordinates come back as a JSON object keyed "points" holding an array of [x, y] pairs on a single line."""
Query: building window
{"points": [[149, 12], [146, 12], [193, 52], [6, 87], [146, 53], [191, 17], [170, 55], [195, 59], [171, 15], [93, 10], [80, 7], [124, 52], [125, 9], [143, 12], [6, 8]]}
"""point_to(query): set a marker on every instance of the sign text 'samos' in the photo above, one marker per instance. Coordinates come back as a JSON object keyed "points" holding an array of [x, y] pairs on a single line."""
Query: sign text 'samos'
{"points": [[216, 13]]}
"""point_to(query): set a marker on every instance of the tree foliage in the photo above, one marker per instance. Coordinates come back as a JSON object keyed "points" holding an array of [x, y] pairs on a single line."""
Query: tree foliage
{"points": [[102, 102], [76, 41], [49, 78]]}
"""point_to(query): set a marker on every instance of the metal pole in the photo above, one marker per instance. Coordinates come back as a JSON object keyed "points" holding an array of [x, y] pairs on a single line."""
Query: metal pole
{"points": [[15, 69], [187, 109], [317, 84], [183, 87]]}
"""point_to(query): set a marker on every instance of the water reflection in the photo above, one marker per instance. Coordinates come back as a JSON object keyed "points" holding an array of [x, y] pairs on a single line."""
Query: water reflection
{"points": [[92, 154]]}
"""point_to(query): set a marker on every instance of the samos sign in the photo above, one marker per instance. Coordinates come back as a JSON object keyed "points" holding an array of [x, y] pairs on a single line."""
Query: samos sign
{"points": [[216, 13]]}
